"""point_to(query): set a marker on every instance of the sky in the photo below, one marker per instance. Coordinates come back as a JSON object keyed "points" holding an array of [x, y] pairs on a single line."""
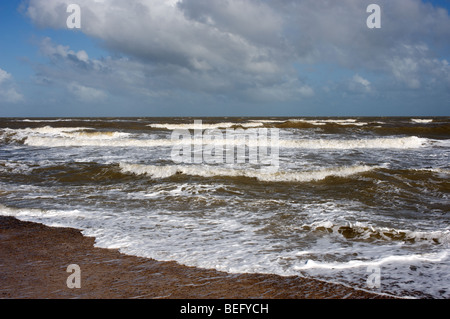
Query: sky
{"points": [[224, 58]]}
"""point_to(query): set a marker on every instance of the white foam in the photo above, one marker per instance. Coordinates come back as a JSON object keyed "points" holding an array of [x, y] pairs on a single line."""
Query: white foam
{"points": [[324, 122], [54, 130], [117, 139], [211, 171], [182, 126], [422, 121], [49, 121], [53, 218], [97, 142], [267, 121], [14, 167], [431, 257], [99, 135], [434, 170], [223, 239], [373, 143]]}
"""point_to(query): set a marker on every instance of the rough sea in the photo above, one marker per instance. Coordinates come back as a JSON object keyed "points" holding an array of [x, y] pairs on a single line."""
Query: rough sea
{"points": [[360, 201]]}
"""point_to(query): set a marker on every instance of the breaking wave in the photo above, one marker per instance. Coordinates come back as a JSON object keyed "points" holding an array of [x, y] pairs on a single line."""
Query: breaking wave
{"points": [[192, 126], [363, 231], [421, 121], [76, 137], [261, 175]]}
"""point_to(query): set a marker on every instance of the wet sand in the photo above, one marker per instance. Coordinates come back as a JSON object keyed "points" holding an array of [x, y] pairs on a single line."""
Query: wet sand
{"points": [[34, 260]]}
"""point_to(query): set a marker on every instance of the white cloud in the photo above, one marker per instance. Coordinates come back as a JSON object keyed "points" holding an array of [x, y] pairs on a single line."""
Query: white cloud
{"points": [[87, 94], [361, 80], [360, 84], [306, 91], [8, 92], [4, 76], [11, 95], [416, 67], [82, 56], [405, 70], [53, 51]]}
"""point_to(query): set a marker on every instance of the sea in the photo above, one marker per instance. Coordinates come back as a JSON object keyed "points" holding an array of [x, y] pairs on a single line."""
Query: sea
{"points": [[358, 201]]}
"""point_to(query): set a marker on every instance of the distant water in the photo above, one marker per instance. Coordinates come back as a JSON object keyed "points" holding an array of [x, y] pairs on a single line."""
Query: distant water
{"points": [[359, 201]]}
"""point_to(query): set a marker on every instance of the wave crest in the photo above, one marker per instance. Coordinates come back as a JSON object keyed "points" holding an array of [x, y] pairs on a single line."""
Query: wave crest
{"points": [[261, 175], [118, 139], [363, 231]]}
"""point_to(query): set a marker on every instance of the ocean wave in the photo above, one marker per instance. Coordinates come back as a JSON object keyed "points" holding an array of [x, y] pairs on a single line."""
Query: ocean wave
{"points": [[204, 126], [53, 130], [320, 122], [381, 143], [267, 121], [363, 231], [416, 127], [432, 257], [14, 167], [52, 218], [74, 132], [47, 120], [10, 136], [50, 131], [422, 121], [97, 142], [117, 139], [441, 143], [261, 175], [99, 135], [62, 136], [434, 170], [432, 131]]}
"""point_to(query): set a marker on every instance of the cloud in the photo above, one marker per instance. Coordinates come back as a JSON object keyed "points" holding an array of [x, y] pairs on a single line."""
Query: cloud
{"points": [[4, 76], [85, 93], [416, 67], [157, 31], [108, 75], [359, 84], [246, 48], [58, 53], [8, 92], [207, 47]]}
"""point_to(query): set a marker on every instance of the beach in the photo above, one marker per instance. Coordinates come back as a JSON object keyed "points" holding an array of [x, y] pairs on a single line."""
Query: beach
{"points": [[262, 203], [35, 259]]}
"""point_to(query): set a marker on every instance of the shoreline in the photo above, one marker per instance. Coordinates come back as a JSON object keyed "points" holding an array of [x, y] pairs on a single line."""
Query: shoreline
{"points": [[35, 257]]}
